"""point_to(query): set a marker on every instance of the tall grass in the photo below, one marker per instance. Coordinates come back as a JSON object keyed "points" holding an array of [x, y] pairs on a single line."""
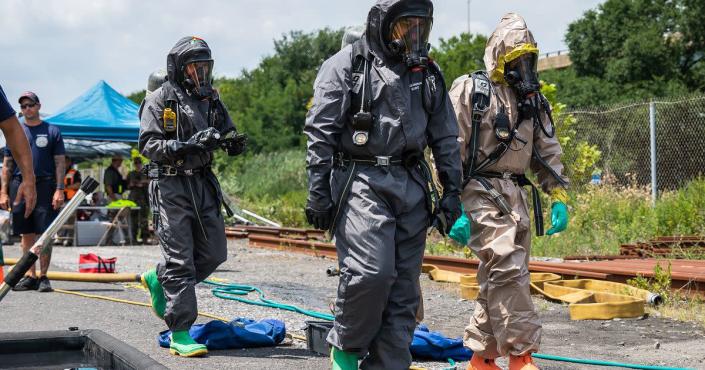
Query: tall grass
{"points": [[272, 185], [602, 217]]}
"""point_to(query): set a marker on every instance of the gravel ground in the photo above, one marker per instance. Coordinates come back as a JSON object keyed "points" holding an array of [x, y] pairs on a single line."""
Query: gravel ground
{"points": [[301, 280]]}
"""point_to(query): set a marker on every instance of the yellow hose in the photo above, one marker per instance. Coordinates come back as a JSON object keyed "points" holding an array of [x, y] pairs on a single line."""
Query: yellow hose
{"points": [[118, 300], [102, 278], [86, 277]]}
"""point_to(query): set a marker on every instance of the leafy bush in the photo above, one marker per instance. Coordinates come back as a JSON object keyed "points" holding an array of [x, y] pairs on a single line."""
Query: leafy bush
{"points": [[579, 157], [272, 185]]}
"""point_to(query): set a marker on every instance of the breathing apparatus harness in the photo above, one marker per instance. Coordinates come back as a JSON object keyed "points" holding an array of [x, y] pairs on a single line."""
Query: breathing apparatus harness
{"points": [[530, 108], [362, 121], [172, 118]]}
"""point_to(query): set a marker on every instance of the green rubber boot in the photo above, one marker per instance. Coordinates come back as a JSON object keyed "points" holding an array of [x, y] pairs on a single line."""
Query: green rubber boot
{"points": [[183, 345], [342, 360], [150, 281]]}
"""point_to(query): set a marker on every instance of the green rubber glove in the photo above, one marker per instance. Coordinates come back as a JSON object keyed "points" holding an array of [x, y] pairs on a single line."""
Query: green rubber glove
{"points": [[460, 232], [559, 218]]}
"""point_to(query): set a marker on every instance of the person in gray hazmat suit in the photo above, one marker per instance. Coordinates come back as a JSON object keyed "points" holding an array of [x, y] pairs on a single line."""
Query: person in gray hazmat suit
{"points": [[377, 105], [506, 129], [182, 123]]}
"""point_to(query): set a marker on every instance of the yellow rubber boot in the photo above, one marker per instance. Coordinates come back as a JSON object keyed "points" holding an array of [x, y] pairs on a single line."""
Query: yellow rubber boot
{"points": [[524, 362], [480, 363], [341, 360]]}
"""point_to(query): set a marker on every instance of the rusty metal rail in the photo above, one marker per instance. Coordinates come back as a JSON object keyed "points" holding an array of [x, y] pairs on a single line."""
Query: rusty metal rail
{"points": [[666, 246], [688, 275], [279, 232]]}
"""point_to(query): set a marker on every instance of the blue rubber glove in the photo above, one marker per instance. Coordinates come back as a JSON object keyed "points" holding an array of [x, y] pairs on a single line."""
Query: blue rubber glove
{"points": [[559, 218], [460, 232]]}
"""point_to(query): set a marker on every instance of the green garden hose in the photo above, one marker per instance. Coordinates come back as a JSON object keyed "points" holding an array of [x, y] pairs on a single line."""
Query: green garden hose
{"points": [[602, 363], [235, 292]]}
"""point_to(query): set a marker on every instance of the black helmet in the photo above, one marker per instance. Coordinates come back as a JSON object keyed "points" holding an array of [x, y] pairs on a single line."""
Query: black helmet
{"points": [[190, 65], [405, 30]]}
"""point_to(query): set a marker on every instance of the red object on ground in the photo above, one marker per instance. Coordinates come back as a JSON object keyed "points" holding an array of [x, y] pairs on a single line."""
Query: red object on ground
{"points": [[93, 263]]}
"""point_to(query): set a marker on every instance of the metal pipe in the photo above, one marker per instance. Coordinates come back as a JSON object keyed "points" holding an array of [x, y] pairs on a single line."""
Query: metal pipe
{"points": [[652, 126], [260, 218]]}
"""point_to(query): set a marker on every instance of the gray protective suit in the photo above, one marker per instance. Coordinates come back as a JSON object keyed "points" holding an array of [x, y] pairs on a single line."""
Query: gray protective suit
{"points": [[187, 206], [504, 321], [381, 222]]}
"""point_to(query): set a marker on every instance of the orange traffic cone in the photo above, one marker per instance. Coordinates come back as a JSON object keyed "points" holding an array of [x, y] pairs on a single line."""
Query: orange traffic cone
{"points": [[2, 275]]}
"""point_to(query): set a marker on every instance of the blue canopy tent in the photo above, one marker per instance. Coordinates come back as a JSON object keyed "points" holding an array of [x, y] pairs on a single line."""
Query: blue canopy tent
{"points": [[100, 114]]}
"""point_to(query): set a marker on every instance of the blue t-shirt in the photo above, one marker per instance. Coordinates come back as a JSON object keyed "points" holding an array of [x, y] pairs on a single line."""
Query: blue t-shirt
{"points": [[46, 142], [6, 110]]}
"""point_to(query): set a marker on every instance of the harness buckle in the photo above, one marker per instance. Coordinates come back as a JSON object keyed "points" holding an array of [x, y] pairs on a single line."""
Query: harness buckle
{"points": [[169, 171], [477, 115], [383, 160], [507, 175]]}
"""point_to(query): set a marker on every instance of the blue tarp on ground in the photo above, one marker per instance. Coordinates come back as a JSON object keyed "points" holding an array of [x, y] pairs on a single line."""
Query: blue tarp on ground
{"points": [[239, 333], [101, 113]]}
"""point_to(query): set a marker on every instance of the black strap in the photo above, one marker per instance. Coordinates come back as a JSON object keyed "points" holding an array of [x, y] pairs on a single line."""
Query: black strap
{"points": [[480, 99], [157, 171], [102, 265], [342, 159], [521, 180], [434, 83], [550, 170], [361, 64]]}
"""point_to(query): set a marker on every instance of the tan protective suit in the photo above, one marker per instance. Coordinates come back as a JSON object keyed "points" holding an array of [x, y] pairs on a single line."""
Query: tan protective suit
{"points": [[504, 321]]}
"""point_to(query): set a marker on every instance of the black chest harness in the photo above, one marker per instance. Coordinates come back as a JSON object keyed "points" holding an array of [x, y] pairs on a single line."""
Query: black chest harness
{"points": [[174, 130], [362, 121], [506, 135]]}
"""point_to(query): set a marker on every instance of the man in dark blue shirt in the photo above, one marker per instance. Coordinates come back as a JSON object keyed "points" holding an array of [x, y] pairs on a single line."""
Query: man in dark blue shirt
{"points": [[49, 168], [17, 142]]}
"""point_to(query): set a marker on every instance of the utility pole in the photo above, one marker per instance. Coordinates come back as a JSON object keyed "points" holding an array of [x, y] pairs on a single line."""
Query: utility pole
{"points": [[469, 1], [652, 134]]}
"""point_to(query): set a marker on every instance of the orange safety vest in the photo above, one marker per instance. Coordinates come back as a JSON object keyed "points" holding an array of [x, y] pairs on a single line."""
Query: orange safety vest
{"points": [[68, 180]]}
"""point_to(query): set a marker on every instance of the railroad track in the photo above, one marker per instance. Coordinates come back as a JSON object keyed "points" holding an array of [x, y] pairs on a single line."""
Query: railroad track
{"points": [[687, 275]]}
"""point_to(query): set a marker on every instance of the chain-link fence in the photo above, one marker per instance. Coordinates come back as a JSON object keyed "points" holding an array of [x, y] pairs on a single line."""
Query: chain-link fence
{"points": [[624, 136]]}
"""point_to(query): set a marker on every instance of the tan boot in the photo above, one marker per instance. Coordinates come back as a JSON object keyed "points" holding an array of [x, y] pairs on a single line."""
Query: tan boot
{"points": [[480, 363], [524, 362]]}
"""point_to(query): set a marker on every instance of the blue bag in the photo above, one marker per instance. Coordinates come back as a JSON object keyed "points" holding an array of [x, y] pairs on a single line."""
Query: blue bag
{"points": [[431, 345], [239, 333]]}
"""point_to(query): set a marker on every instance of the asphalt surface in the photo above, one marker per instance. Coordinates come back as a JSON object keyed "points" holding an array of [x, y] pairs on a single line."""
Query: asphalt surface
{"points": [[301, 280]]}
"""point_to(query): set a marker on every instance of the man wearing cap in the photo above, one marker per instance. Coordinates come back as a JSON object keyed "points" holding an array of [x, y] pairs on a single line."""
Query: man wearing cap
{"points": [[47, 149]]}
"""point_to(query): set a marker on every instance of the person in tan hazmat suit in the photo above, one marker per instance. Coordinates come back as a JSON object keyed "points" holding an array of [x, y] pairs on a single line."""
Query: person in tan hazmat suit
{"points": [[505, 129]]}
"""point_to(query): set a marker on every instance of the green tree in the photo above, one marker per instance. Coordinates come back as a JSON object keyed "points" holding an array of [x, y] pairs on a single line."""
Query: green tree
{"points": [[460, 55], [269, 103], [634, 49], [137, 96]]}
